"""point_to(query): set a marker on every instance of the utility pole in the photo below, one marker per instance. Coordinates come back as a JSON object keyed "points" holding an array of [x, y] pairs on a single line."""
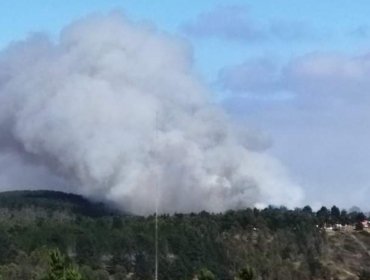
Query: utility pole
{"points": [[156, 201]]}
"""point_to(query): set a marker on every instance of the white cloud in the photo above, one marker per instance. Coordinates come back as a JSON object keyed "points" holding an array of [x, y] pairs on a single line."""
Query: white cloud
{"points": [[227, 22], [322, 132], [236, 24]]}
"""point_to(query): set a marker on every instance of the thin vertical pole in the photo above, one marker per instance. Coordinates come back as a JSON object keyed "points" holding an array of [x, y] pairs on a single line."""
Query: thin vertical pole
{"points": [[156, 203]]}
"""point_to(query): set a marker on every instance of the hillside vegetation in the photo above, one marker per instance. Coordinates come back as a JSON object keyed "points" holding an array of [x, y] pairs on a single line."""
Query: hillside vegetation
{"points": [[273, 243]]}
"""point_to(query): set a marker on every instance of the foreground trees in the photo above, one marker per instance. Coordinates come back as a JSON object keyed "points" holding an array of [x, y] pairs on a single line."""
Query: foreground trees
{"points": [[59, 269], [246, 273]]}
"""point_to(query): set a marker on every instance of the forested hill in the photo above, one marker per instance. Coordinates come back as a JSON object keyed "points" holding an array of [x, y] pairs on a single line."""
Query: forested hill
{"points": [[273, 243], [54, 201]]}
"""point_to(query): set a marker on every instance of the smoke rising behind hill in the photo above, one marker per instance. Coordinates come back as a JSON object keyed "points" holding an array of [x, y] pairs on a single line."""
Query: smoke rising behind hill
{"points": [[114, 106]]}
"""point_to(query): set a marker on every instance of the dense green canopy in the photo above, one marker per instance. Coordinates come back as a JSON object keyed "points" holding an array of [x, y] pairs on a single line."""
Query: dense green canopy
{"points": [[99, 243]]}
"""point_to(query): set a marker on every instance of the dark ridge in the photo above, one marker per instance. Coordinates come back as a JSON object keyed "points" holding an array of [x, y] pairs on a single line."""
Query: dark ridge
{"points": [[55, 201]]}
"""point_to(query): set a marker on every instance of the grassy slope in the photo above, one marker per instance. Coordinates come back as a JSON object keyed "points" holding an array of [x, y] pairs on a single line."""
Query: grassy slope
{"points": [[347, 253]]}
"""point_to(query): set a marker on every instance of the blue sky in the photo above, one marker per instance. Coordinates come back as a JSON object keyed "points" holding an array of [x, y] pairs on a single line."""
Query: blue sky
{"points": [[296, 70], [328, 25]]}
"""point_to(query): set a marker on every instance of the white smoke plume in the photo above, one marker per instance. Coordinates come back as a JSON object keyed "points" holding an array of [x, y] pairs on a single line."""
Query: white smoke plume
{"points": [[79, 114]]}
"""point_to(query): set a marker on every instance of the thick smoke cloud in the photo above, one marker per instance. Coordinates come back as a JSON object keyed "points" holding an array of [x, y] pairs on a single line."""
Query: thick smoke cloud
{"points": [[112, 108]]}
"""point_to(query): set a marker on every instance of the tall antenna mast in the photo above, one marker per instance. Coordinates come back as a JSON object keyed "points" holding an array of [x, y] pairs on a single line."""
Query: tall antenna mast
{"points": [[156, 204]]}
